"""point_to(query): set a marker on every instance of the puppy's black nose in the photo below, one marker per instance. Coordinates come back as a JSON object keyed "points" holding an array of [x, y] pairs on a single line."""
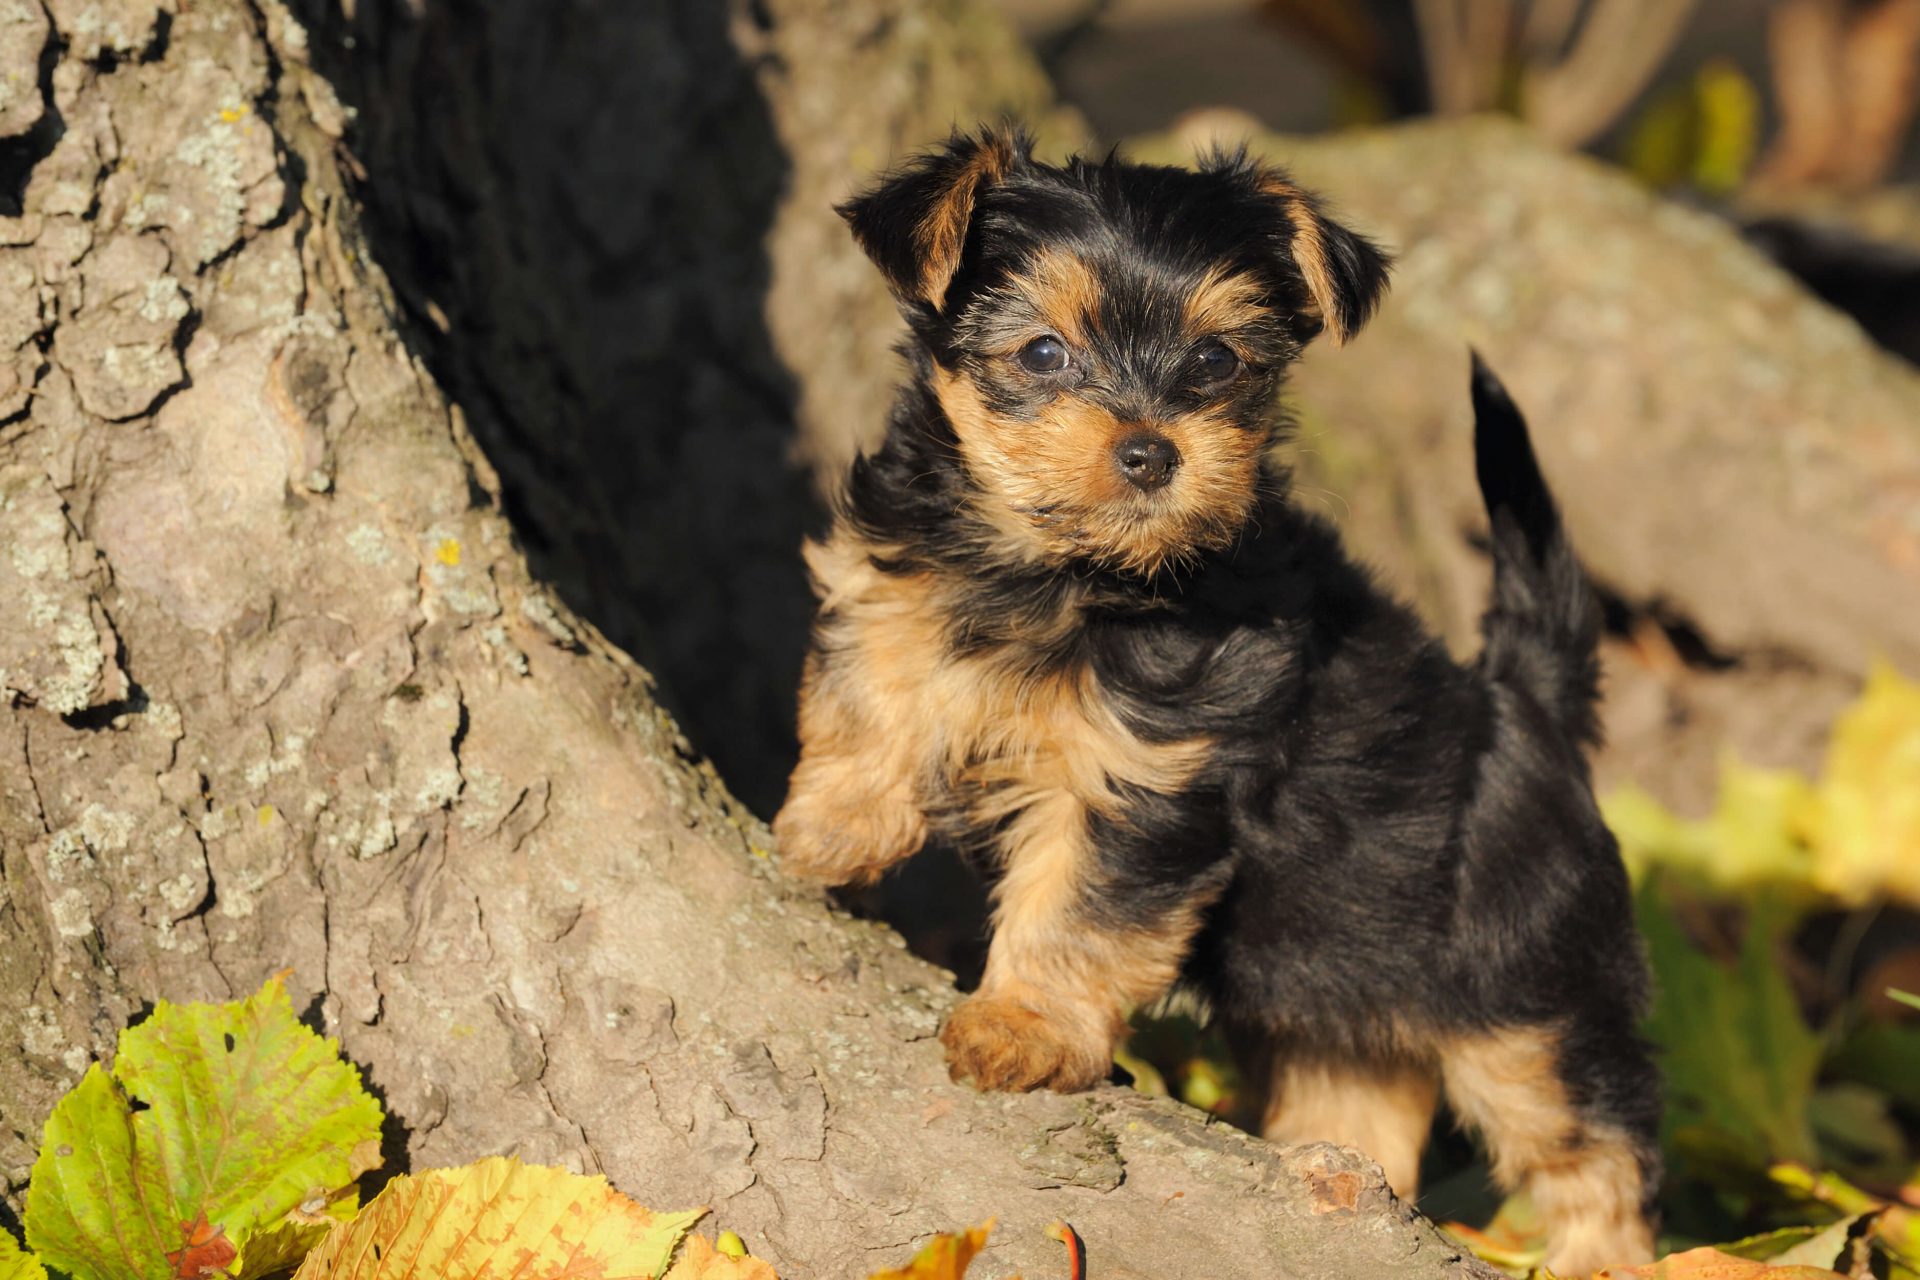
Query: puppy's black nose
{"points": [[1147, 459]]}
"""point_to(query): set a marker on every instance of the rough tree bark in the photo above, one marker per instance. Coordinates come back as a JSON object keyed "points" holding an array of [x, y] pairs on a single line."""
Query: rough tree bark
{"points": [[280, 692]]}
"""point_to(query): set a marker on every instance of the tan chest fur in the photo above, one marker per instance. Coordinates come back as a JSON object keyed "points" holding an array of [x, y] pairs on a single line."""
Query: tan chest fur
{"points": [[987, 730]]}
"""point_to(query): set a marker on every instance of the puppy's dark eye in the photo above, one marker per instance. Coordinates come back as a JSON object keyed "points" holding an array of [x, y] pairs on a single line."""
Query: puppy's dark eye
{"points": [[1214, 364], [1043, 355]]}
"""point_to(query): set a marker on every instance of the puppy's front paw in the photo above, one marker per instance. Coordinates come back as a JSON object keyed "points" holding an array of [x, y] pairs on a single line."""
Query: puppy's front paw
{"points": [[1001, 1044], [843, 844]]}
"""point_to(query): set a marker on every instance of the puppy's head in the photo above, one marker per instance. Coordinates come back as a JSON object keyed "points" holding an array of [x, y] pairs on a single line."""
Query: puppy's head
{"points": [[1106, 338]]}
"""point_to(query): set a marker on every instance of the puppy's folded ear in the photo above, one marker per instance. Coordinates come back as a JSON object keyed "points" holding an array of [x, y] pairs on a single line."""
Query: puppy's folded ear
{"points": [[914, 224], [1343, 272]]}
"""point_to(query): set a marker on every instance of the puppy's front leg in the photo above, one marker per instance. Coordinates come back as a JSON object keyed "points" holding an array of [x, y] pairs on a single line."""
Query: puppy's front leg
{"points": [[852, 810], [1060, 979]]}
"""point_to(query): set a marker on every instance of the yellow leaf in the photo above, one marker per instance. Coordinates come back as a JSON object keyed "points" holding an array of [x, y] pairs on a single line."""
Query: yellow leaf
{"points": [[1711, 1264], [496, 1218], [701, 1261], [1853, 837], [1704, 133], [1515, 1241], [277, 1250], [945, 1257], [1146, 1077], [1729, 129], [16, 1263], [1756, 836], [1760, 825], [1866, 826]]}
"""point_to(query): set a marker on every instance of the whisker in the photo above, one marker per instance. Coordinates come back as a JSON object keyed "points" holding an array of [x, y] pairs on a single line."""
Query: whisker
{"points": [[1316, 491]]}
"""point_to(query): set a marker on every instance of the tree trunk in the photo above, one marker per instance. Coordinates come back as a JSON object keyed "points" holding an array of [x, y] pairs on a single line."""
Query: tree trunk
{"points": [[280, 690]]}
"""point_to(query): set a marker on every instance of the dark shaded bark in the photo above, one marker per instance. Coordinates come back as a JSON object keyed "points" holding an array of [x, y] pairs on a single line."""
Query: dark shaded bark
{"points": [[612, 223]]}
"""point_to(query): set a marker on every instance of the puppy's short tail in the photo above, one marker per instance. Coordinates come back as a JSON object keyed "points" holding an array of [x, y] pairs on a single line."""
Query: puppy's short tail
{"points": [[1542, 629]]}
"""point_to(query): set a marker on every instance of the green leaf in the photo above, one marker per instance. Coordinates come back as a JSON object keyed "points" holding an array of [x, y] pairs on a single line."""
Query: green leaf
{"points": [[1824, 1188], [247, 1115], [1771, 1244], [1906, 998], [1883, 1056], [87, 1212], [1857, 1132], [16, 1263], [498, 1218], [1895, 1228], [279, 1250], [1739, 1058]]}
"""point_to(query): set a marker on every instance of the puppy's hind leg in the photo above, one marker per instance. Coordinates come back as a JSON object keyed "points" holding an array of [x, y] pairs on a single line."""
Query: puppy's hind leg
{"points": [[1384, 1109], [1571, 1120]]}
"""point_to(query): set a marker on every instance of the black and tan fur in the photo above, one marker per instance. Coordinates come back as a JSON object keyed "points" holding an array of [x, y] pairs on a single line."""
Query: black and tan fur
{"points": [[1070, 622]]}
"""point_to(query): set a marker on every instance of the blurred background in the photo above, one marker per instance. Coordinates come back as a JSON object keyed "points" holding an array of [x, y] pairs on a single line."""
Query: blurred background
{"points": [[1686, 232], [1794, 117], [1715, 96]]}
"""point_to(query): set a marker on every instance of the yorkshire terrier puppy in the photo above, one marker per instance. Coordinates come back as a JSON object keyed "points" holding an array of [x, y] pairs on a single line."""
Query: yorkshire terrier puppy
{"points": [[1070, 621]]}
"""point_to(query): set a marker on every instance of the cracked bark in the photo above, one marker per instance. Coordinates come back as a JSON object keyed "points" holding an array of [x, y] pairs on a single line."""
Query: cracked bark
{"points": [[281, 692]]}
